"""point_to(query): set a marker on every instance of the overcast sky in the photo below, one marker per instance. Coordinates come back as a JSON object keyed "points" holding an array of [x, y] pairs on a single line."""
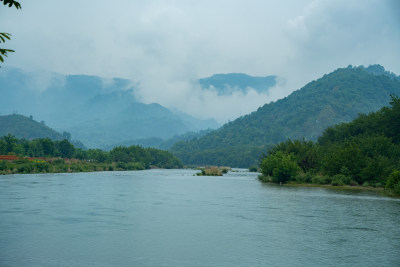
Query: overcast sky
{"points": [[166, 45]]}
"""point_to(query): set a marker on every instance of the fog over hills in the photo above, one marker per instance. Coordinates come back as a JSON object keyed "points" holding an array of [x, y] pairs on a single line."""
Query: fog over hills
{"points": [[99, 112], [226, 84]]}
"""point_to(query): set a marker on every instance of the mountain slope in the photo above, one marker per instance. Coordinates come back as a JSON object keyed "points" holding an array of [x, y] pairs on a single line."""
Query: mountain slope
{"points": [[337, 97], [99, 112], [24, 127]]}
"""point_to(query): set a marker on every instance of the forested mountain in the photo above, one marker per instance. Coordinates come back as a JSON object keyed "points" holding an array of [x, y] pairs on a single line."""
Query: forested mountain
{"points": [[335, 98], [99, 112], [27, 128], [24, 127], [228, 83], [365, 152]]}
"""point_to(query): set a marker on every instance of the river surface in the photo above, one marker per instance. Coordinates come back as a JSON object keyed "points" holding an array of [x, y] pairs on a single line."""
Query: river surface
{"points": [[173, 218]]}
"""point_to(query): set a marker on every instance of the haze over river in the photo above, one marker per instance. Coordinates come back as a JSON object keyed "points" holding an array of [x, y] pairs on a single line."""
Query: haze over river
{"points": [[172, 218]]}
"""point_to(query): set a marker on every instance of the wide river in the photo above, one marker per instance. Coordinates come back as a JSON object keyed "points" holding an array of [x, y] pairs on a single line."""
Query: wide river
{"points": [[173, 218]]}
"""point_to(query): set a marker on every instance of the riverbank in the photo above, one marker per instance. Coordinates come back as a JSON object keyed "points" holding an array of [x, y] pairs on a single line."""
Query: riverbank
{"points": [[58, 165], [378, 190]]}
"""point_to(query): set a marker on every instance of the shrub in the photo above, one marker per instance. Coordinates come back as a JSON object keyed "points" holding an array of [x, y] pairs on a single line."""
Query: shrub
{"points": [[320, 179], [366, 184], [282, 167], [340, 179], [253, 169], [393, 181]]}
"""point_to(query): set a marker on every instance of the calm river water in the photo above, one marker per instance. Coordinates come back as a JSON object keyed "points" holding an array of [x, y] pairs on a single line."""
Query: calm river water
{"points": [[172, 218]]}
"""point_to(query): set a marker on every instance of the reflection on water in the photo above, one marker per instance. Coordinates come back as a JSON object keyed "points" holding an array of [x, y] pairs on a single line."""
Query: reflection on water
{"points": [[173, 218]]}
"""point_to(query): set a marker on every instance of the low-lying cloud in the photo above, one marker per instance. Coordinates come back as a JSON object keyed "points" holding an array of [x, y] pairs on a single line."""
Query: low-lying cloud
{"points": [[166, 46]]}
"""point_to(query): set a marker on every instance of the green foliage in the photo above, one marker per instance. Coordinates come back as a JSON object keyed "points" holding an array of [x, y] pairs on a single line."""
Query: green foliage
{"points": [[365, 151], [6, 36], [335, 98], [62, 156], [213, 171], [11, 3], [341, 179], [24, 127], [253, 169], [280, 166], [393, 182], [321, 179]]}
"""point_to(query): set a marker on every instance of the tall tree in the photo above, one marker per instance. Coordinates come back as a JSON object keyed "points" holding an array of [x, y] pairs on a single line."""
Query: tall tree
{"points": [[6, 36]]}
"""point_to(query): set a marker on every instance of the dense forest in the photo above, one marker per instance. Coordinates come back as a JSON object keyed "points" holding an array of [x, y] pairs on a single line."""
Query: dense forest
{"points": [[365, 152], [46, 155], [335, 98]]}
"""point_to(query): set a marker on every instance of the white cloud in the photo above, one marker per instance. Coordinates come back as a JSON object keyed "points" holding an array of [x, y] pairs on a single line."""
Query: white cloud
{"points": [[166, 45]]}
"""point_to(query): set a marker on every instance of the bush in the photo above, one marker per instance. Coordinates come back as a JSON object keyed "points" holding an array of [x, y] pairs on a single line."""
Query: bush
{"points": [[396, 188], [320, 179], [340, 179], [366, 184], [253, 169], [282, 167], [393, 182], [304, 178], [59, 161]]}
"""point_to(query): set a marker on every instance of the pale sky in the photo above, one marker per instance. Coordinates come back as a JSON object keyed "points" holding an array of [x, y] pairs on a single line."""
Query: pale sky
{"points": [[166, 45]]}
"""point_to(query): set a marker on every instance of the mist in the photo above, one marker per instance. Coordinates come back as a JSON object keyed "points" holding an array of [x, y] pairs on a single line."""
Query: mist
{"points": [[164, 47]]}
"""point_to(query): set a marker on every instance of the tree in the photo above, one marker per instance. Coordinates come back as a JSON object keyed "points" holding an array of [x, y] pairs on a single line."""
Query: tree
{"points": [[280, 166], [11, 142], [6, 36], [66, 149]]}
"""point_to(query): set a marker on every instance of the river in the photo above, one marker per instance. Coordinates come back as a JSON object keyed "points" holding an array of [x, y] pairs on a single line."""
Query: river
{"points": [[173, 218]]}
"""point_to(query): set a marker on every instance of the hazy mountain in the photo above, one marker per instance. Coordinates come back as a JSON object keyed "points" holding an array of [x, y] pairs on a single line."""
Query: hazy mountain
{"points": [[135, 121], [228, 83], [336, 97], [161, 143], [99, 112]]}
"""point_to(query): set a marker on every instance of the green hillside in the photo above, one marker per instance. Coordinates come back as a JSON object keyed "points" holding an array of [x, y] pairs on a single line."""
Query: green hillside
{"points": [[27, 128], [24, 127], [364, 152], [335, 98]]}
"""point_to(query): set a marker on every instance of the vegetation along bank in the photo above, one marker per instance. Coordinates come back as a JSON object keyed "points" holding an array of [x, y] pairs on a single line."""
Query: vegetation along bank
{"points": [[363, 152], [43, 155]]}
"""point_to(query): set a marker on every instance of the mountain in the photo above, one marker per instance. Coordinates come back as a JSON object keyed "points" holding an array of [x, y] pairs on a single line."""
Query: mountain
{"points": [[24, 127], [335, 98], [27, 128], [99, 112], [228, 83], [135, 121], [160, 143]]}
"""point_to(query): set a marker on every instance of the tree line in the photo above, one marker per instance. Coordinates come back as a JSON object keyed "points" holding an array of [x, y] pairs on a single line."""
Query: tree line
{"points": [[365, 152], [63, 152]]}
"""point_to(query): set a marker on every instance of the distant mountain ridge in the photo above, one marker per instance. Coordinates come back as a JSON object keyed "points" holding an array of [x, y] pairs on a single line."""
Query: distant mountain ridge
{"points": [[99, 112], [336, 97]]}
